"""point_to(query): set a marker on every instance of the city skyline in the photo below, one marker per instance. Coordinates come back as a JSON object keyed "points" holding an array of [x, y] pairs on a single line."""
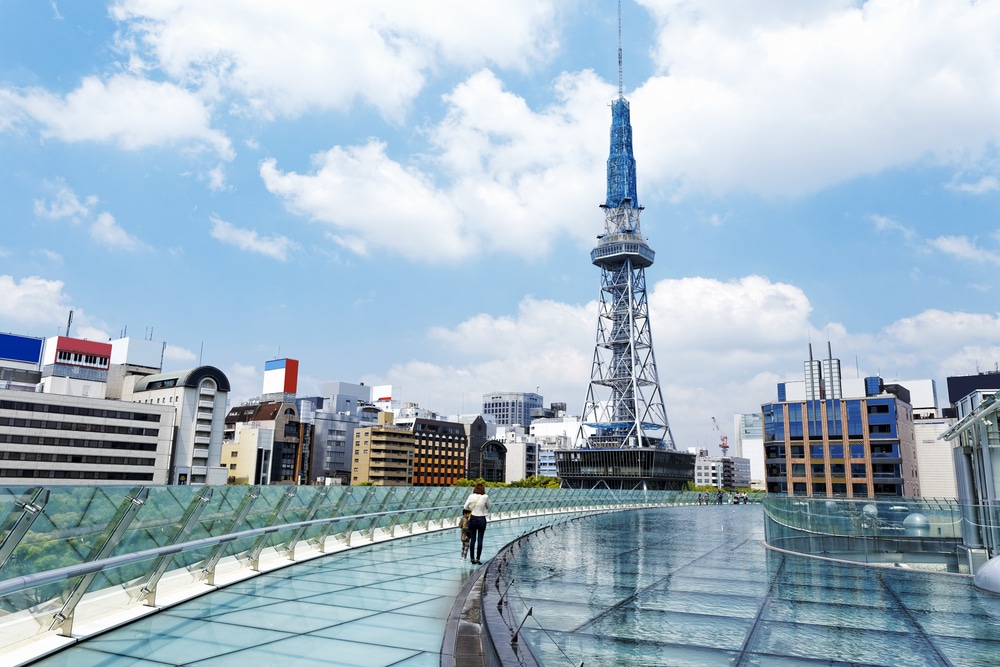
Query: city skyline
{"points": [[409, 196]]}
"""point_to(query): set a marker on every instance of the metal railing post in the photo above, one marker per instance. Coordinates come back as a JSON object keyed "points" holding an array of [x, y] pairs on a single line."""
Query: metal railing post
{"points": [[370, 531], [253, 555], [320, 540], [113, 533], [321, 493], [147, 594], [354, 522], [27, 511], [209, 564]]}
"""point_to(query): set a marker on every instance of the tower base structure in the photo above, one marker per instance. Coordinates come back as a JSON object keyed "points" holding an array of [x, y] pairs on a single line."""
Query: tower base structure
{"points": [[650, 468]]}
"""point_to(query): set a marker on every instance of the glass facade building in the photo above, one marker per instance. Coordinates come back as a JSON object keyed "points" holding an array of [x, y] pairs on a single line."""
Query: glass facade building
{"points": [[625, 468], [856, 448]]}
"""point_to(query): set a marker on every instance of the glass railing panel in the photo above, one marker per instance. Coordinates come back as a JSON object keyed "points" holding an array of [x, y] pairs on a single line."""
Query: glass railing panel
{"points": [[68, 529], [157, 524], [10, 510], [30, 613]]}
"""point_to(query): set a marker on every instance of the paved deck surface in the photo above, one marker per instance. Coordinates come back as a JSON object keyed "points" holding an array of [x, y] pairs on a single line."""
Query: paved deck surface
{"points": [[373, 606]]}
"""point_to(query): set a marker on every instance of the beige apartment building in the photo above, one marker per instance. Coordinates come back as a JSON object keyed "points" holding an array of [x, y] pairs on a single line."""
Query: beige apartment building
{"points": [[383, 454]]}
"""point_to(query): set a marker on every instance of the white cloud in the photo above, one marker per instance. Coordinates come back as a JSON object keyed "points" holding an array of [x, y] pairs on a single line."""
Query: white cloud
{"points": [[789, 97], [961, 247], [506, 166], [135, 113], [181, 355], [245, 382], [50, 255], [957, 247], [408, 209], [982, 186], [887, 224], [33, 301], [284, 59], [89, 331], [216, 178], [64, 203], [276, 246], [108, 233]]}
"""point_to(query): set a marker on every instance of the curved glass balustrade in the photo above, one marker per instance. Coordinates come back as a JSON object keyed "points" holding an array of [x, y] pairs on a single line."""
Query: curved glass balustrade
{"points": [[75, 560], [691, 587], [929, 534]]}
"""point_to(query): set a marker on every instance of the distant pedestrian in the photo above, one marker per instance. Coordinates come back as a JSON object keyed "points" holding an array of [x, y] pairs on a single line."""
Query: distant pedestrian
{"points": [[479, 505], [718, 497], [463, 525]]}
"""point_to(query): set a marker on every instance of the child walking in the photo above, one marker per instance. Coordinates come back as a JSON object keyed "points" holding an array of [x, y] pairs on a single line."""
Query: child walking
{"points": [[463, 523]]}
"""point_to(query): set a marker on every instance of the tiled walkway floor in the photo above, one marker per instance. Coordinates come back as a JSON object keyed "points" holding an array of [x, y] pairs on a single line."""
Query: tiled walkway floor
{"points": [[379, 605]]}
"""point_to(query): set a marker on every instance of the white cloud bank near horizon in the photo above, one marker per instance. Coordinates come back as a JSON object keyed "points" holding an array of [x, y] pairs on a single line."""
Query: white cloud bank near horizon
{"points": [[721, 347]]}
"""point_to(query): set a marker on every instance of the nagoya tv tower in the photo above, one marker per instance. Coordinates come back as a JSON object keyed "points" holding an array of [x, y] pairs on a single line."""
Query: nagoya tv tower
{"points": [[624, 405]]}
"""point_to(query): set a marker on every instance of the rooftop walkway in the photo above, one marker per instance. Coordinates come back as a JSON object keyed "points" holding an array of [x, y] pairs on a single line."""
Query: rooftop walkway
{"points": [[383, 604], [685, 586]]}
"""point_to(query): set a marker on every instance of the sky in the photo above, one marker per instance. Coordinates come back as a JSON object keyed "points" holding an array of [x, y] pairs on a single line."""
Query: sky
{"points": [[407, 193]]}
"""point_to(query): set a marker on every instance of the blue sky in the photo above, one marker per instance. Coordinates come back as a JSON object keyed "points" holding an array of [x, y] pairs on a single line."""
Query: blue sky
{"points": [[407, 193]]}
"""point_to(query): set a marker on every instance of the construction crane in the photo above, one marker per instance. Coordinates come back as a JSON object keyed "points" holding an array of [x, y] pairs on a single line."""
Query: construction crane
{"points": [[723, 440]]}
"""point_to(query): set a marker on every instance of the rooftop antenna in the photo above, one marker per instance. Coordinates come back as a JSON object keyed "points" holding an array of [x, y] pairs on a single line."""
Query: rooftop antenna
{"points": [[620, 94], [69, 323]]}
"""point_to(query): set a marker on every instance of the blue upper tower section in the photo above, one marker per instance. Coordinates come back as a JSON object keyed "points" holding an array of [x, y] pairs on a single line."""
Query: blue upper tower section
{"points": [[621, 164]]}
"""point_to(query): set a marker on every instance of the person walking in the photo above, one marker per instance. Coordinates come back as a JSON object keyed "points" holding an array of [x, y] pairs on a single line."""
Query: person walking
{"points": [[463, 524], [479, 504]]}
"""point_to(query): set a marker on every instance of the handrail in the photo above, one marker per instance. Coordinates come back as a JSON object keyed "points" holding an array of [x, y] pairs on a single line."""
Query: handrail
{"points": [[16, 584]]}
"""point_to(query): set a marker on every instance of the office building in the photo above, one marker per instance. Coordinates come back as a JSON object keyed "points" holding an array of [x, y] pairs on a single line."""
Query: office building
{"points": [[439, 448], [749, 444], [332, 419], [263, 444], [198, 396], [974, 440], [512, 407], [485, 456], [51, 439], [723, 472], [75, 367], [858, 446], [520, 453], [56, 427]]}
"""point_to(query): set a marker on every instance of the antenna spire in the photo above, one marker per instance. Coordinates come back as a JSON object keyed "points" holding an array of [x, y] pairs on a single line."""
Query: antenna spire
{"points": [[620, 49]]}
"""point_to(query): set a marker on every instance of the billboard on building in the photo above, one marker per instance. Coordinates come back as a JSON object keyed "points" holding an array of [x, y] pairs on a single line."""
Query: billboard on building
{"points": [[281, 376], [138, 352], [25, 349]]}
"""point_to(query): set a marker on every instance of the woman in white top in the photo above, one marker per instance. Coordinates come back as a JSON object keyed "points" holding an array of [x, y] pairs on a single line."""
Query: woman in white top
{"points": [[479, 504]]}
